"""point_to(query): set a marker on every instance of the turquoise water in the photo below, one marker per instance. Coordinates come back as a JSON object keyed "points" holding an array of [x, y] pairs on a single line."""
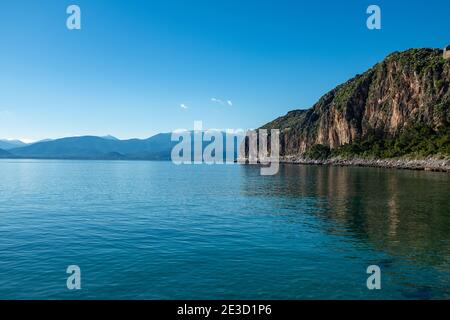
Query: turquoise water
{"points": [[153, 230]]}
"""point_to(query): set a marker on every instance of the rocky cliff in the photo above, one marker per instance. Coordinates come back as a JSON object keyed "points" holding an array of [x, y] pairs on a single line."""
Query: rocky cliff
{"points": [[400, 106]]}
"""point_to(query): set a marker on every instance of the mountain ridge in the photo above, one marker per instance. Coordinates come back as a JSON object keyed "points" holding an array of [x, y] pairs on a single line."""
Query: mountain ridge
{"points": [[4, 153], [157, 147], [398, 107], [11, 144]]}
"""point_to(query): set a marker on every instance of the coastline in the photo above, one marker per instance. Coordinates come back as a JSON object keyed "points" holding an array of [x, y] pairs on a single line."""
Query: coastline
{"points": [[436, 164]]}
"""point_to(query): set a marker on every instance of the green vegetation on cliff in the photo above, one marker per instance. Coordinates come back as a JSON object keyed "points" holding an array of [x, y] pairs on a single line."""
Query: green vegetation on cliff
{"points": [[418, 141]]}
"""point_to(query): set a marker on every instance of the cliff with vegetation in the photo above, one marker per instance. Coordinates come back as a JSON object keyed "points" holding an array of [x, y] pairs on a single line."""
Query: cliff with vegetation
{"points": [[397, 109]]}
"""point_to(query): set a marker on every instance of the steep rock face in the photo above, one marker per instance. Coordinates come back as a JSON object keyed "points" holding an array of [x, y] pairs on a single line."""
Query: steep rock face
{"points": [[407, 89]]}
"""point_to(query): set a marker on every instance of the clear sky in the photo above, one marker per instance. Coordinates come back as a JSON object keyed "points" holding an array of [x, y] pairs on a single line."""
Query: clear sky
{"points": [[140, 67]]}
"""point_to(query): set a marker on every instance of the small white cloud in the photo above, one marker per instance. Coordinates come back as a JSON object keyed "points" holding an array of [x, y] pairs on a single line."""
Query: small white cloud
{"points": [[221, 102], [183, 106]]}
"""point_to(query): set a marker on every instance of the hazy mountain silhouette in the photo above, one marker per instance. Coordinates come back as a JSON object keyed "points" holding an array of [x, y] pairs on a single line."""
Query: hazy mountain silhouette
{"points": [[4, 154], [92, 147], [158, 147], [109, 137], [11, 144]]}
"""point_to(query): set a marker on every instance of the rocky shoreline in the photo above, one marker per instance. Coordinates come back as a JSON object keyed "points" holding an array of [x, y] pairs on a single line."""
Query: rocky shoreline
{"points": [[429, 164]]}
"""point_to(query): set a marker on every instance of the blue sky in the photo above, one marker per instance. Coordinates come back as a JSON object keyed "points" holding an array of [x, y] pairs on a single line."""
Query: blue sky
{"points": [[134, 62]]}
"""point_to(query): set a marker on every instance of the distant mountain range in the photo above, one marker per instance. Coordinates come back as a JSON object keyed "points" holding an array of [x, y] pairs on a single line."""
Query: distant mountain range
{"points": [[4, 154], [158, 147], [11, 144]]}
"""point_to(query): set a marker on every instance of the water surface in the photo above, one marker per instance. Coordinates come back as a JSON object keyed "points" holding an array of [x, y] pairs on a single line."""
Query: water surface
{"points": [[153, 230]]}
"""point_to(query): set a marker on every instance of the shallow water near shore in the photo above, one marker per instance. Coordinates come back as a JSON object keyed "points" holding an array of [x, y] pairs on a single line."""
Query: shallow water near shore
{"points": [[153, 230]]}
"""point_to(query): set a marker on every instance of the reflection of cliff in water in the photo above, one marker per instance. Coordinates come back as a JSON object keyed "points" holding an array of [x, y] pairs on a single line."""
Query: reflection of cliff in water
{"points": [[405, 213]]}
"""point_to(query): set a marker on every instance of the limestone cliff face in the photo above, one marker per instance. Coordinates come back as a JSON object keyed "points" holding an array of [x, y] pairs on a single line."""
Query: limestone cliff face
{"points": [[407, 89]]}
